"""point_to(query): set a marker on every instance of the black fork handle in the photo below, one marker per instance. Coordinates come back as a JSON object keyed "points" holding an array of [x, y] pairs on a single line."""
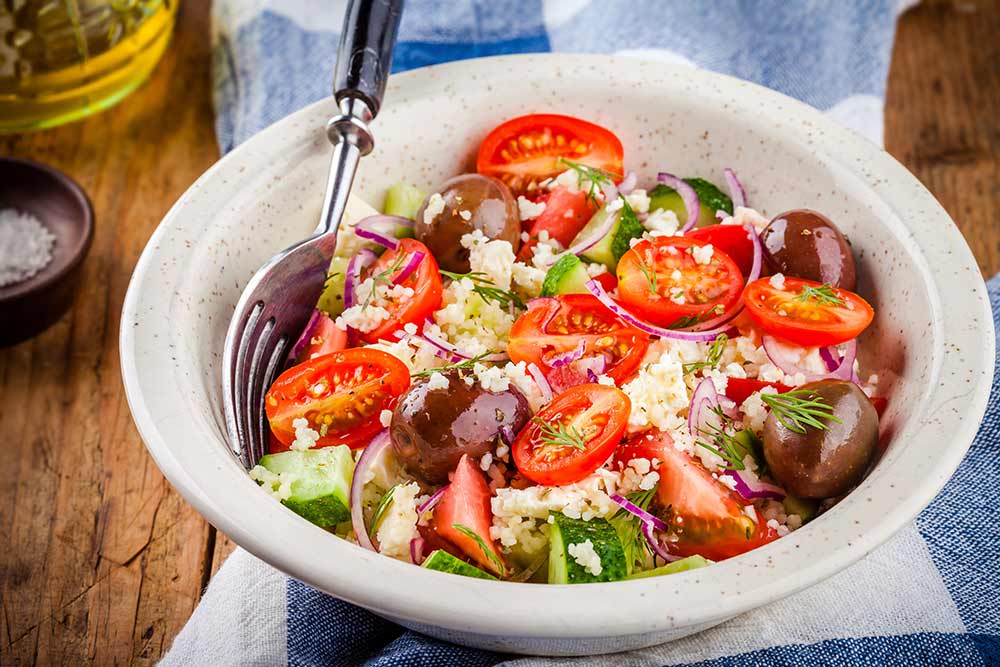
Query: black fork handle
{"points": [[364, 57]]}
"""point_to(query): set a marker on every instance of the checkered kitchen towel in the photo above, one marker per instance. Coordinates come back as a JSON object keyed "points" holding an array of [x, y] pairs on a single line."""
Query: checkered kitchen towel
{"points": [[930, 596]]}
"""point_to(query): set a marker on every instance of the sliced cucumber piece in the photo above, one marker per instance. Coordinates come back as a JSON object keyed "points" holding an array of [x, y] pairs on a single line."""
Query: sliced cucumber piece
{"points": [[443, 561], [616, 242], [404, 200], [567, 276], [321, 483], [804, 507], [566, 532], [331, 301], [682, 565], [710, 197]]}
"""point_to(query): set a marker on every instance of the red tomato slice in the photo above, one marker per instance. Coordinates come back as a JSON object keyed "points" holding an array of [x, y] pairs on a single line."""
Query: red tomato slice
{"points": [[706, 516], [573, 435], [466, 504], [806, 312], [662, 282], [880, 403], [555, 325], [341, 395], [565, 214], [739, 389], [730, 239], [325, 338], [526, 150], [425, 281]]}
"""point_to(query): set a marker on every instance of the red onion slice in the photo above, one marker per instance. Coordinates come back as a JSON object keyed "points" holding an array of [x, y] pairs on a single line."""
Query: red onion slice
{"points": [[563, 358], [358, 263], [592, 366], [417, 545], [429, 504], [307, 335], [540, 380], [781, 355], [610, 191], [656, 545], [587, 244], [628, 183], [736, 191], [411, 266], [749, 487], [704, 398], [368, 229], [688, 196], [829, 358], [637, 511], [454, 354], [597, 290], [368, 458]]}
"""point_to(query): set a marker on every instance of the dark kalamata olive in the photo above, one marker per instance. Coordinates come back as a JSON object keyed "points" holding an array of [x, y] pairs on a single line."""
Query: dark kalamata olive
{"points": [[432, 428], [460, 205], [824, 463], [806, 244]]}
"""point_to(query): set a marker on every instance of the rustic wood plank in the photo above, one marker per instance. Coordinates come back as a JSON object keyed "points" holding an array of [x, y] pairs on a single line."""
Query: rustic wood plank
{"points": [[943, 113], [108, 562]]}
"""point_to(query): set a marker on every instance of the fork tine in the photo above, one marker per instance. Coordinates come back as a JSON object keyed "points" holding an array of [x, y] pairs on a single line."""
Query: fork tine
{"points": [[262, 349], [240, 379], [270, 373]]}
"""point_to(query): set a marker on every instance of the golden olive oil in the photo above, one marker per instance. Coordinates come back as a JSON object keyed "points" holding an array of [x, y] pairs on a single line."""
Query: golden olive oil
{"points": [[61, 60]]}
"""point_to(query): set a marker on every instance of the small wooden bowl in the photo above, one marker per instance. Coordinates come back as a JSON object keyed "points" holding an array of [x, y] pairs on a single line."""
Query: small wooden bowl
{"points": [[29, 307]]}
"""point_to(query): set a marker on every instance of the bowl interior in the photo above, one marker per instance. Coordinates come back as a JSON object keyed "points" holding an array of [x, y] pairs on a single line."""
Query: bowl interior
{"points": [[267, 194]]}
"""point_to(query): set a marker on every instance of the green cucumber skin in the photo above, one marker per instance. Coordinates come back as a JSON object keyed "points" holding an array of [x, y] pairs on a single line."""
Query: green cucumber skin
{"points": [[805, 508], [567, 276], [321, 488], [442, 561], [610, 249], [564, 531], [404, 200], [682, 565], [710, 197]]}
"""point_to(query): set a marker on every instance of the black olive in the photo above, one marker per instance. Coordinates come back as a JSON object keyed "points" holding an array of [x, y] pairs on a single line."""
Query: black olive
{"points": [[806, 244]]}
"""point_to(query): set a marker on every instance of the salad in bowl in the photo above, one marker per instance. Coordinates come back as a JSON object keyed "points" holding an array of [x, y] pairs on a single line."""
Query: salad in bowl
{"points": [[559, 370]]}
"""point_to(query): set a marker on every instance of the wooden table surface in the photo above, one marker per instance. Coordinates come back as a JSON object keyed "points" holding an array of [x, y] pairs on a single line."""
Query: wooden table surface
{"points": [[102, 561]]}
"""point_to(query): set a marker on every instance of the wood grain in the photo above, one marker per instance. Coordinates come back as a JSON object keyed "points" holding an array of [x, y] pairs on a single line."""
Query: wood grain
{"points": [[103, 561]]}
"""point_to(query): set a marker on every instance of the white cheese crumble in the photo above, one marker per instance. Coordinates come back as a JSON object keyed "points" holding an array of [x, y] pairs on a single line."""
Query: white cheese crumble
{"points": [[399, 522], [585, 556], [486, 462], [385, 418], [305, 436], [777, 281], [437, 381], [661, 223], [277, 485], [742, 215], [658, 394], [702, 254], [434, 208], [528, 209], [638, 200], [373, 307]]}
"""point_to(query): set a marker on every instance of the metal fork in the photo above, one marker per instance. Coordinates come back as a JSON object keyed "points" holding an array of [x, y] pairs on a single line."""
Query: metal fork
{"points": [[279, 299]]}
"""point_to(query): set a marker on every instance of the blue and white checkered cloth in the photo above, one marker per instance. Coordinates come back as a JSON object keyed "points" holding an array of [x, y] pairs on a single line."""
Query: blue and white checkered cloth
{"points": [[931, 596]]}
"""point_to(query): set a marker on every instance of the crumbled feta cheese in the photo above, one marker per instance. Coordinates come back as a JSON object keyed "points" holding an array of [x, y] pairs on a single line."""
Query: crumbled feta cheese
{"points": [[569, 179], [585, 556], [638, 200], [410, 328], [606, 380], [417, 354], [649, 481], [502, 451], [594, 270], [519, 377], [277, 485], [385, 418], [465, 214], [305, 436], [658, 394], [528, 209], [437, 381], [755, 410], [494, 259], [491, 378], [528, 279], [616, 205], [742, 215], [373, 308], [399, 522], [434, 208], [702, 254], [777, 281], [661, 223]]}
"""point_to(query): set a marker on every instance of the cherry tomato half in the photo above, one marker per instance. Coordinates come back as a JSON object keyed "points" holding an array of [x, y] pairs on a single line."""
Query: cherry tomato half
{"points": [[662, 281], [573, 435], [557, 325], [730, 239], [806, 312], [425, 282], [525, 151], [341, 395], [566, 214]]}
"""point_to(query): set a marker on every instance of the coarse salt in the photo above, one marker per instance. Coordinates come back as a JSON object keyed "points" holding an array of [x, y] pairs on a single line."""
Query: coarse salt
{"points": [[25, 246]]}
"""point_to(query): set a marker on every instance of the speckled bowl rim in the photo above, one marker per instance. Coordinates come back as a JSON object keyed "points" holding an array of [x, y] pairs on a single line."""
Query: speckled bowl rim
{"points": [[960, 381]]}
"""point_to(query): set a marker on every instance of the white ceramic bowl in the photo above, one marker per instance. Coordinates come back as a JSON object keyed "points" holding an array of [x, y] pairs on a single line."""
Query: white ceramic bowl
{"points": [[931, 343]]}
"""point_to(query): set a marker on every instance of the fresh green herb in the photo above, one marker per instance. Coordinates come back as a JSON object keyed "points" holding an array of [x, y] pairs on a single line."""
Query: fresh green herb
{"points": [[380, 509], [460, 366], [824, 295], [595, 175], [487, 289], [650, 276], [384, 278], [799, 409], [560, 435], [723, 444], [691, 320], [629, 528], [713, 357], [471, 534]]}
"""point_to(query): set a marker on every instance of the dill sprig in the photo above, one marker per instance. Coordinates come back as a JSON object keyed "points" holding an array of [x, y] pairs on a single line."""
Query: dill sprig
{"points": [[595, 175], [800, 409], [723, 444], [629, 528], [713, 357], [487, 289], [380, 509], [384, 277], [560, 435], [650, 276], [690, 320], [471, 534], [459, 366], [824, 295]]}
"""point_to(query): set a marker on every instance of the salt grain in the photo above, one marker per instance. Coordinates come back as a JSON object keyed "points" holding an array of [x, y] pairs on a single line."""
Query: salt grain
{"points": [[25, 246]]}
